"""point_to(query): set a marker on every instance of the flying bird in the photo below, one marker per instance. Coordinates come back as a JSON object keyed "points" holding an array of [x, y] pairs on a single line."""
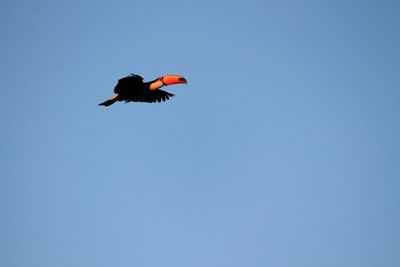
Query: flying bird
{"points": [[132, 88]]}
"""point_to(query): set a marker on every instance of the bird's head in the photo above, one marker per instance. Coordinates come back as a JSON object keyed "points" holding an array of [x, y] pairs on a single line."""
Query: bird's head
{"points": [[167, 80]]}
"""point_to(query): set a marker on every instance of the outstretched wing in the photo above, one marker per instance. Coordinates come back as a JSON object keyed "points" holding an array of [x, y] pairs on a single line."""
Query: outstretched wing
{"points": [[150, 96], [128, 83]]}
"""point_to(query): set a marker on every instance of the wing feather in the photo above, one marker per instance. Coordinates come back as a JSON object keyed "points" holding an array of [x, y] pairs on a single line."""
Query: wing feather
{"points": [[156, 96], [128, 83]]}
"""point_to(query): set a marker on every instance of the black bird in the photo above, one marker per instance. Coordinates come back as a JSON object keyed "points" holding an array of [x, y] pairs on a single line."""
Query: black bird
{"points": [[132, 88]]}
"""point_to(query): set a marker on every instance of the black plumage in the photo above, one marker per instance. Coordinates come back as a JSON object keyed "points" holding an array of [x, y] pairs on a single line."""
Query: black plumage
{"points": [[132, 89]]}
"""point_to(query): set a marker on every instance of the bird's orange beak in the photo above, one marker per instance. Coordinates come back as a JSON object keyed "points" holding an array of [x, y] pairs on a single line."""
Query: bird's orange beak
{"points": [[167, 80], [173, 79]]}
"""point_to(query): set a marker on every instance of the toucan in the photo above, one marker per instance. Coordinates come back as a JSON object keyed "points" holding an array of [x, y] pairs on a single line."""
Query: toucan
{"points": [[132, 88]]}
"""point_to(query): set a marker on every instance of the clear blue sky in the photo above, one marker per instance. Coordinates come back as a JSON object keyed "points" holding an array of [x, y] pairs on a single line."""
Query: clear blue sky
{"points": [[283, 150]]}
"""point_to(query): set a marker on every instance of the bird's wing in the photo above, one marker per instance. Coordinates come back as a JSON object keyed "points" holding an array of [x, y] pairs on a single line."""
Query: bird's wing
{"points": [[151, 96], [127, 82]]}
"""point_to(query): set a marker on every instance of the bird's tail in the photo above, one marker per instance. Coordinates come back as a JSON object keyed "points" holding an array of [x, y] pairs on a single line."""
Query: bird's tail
{"points": [[110, 101]]}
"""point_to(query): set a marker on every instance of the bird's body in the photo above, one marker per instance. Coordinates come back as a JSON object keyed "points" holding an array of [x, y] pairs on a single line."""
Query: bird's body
{"points": [[132, 88]]}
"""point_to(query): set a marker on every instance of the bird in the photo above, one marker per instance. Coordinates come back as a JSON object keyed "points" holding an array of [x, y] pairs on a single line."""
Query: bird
{"points": [[131, 88]]}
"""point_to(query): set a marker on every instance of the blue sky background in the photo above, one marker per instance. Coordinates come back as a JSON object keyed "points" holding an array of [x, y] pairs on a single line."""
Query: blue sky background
{"points": [[283, 150]]}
